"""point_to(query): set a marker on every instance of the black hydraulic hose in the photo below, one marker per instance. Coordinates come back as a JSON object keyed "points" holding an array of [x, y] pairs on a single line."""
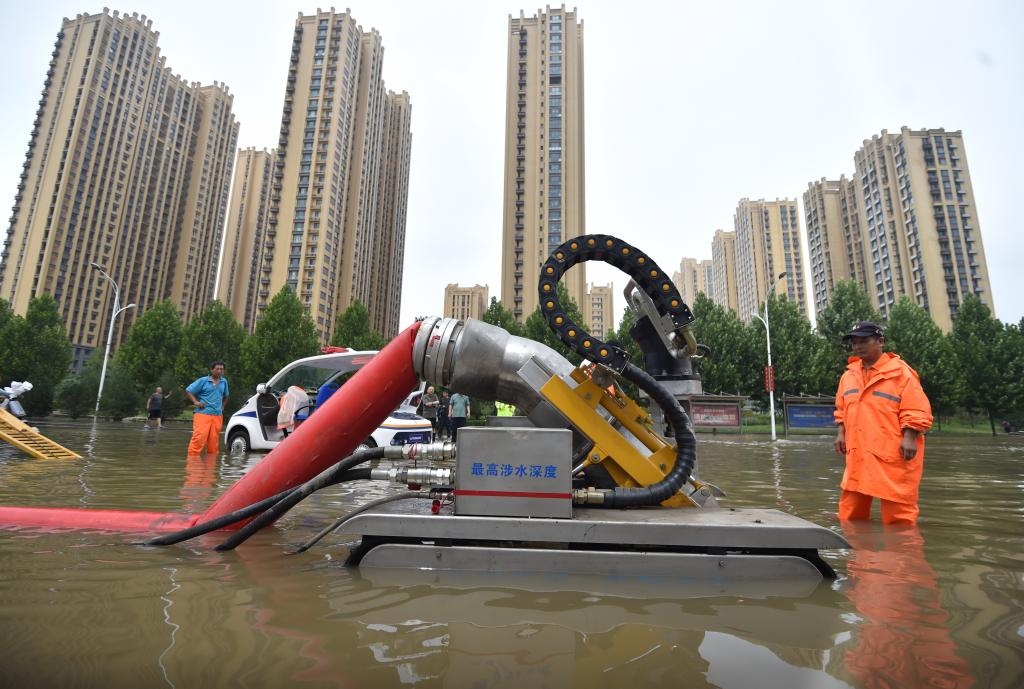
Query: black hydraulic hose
{"points": [[241, 513], [218, 523], [686, 447], [322, 480], [359, 510]]}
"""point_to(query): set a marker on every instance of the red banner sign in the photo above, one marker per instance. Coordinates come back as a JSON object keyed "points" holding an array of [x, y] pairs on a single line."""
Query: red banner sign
{"points": [[709, 414], [769, 378]]}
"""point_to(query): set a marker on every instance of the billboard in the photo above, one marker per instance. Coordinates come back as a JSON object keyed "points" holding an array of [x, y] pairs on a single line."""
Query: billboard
{"points": [[810, 416], [715, 414]]}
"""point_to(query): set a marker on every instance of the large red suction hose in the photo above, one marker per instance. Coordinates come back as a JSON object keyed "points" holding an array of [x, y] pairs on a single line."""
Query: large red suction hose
{"points": [[334, 431], [326, 437]]}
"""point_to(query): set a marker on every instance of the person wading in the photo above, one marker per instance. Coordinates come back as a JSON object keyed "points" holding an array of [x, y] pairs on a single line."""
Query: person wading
{"points": [[882, 414], [209, 394]]}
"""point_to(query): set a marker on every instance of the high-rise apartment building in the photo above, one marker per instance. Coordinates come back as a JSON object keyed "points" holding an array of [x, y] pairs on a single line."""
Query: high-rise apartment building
{"points": [[767, 245], [723, 268], [128, 167], [919, 224], [692, 278], [833, 236], [465, 302], [244, 234], [598, 310], [544, 163], [341, 174], [386, 260]]}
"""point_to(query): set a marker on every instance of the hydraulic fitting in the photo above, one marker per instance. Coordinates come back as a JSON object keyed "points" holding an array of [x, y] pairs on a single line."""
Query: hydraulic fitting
{"points": [[413, 475], [435, 451], [588, 496]]}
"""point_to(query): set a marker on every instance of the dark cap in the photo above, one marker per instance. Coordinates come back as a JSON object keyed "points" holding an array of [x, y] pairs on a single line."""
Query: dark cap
{"points": [[864, 329]]}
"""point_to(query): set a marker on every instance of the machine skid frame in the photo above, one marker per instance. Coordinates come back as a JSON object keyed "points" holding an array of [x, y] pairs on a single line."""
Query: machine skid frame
{"points": [[728, 543]]}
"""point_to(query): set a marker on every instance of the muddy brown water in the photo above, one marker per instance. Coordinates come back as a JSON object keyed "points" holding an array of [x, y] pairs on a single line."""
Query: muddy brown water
{"points": [[936, 606]]}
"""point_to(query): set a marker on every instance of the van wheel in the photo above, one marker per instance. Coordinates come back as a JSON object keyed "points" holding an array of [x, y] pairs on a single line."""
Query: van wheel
{"points": [[366, 445], [238, 441]]}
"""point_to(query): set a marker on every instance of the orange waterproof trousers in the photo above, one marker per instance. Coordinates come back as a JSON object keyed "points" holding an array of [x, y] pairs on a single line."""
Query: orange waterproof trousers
{"points": [[854, 506], [206, 430]]}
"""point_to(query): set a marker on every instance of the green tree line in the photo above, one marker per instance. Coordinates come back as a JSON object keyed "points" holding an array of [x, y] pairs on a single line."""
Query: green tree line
{"points": [[978, 367], [160, 350]]}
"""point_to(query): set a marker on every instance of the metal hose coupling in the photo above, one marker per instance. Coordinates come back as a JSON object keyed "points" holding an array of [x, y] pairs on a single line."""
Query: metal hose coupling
{"points": [[432, 452], [589, 496], [422, 476]]}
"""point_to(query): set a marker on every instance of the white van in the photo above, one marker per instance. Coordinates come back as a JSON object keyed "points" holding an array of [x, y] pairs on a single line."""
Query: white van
{"points": [[254, 426]]}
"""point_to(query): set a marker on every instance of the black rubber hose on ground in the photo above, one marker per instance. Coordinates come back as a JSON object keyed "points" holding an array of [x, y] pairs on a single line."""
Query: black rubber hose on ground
{"points": [[686, 447], [242, 513], [326, 478]]}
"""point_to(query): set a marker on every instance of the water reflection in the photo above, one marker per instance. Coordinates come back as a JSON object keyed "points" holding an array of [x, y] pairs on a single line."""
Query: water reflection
{"points": [[491, 630], [200, 478], [903, 639]]}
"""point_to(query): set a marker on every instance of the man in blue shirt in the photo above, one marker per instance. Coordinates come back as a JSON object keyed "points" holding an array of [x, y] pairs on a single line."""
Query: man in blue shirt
{"points": [[209, 395]]}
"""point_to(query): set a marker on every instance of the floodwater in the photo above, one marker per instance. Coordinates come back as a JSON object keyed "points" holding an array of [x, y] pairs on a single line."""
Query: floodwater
{"points": [[937, 606]]}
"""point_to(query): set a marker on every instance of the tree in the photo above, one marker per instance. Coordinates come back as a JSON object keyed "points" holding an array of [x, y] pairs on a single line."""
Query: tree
{"points": [[798, 355], [847, 304], [1011, 355], [977, 340], [284, 334], [152, 345], [913, 335], [536, 327], [76, 396], [623, 339], [37, 350], [121, 396], [352, 329], [497, 314], [213, 334], [734, 363]]}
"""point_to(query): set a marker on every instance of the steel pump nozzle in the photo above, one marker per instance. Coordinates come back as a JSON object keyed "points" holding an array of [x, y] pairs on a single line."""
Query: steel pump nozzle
{"points": [[482, 360]]}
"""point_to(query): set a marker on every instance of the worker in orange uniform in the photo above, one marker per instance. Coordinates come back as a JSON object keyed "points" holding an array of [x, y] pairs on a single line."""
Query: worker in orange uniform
{"points": [[882, 414], [209, 394]]}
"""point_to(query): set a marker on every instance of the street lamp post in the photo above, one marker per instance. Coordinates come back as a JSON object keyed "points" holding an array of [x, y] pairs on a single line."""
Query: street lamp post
{"points": [[114, 313], [768, 338]]}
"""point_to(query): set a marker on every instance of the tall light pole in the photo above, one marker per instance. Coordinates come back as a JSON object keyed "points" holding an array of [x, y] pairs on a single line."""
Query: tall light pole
{"points": [[114, 313], [769, 377]]}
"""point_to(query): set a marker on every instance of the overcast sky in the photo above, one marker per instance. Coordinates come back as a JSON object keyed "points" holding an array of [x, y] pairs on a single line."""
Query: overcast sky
{"points": [[689, 107]]}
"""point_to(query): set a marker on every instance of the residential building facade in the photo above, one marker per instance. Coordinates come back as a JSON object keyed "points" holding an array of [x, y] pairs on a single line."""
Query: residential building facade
{"points": [[128, 168], [544, 154], [244, 235], [694, 277], [768, 245], [834, 246], [919, 226], [465, 302], [340, 180], [723, 269], [599, 310]]}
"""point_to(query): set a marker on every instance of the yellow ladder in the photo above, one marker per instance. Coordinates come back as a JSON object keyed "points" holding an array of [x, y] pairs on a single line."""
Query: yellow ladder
{"points": [[21, 435]]}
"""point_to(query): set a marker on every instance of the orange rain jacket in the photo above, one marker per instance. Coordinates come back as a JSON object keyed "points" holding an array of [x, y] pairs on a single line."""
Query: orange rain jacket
{"points": [[875, 405]]}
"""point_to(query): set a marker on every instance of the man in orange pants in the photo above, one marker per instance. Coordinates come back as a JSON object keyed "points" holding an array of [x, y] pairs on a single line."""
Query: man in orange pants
{"points": [[208, 394], [882, 413]]}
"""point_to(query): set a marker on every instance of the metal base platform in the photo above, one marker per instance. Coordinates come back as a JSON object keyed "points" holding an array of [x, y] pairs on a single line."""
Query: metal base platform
{"points": [[734, 544]]}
